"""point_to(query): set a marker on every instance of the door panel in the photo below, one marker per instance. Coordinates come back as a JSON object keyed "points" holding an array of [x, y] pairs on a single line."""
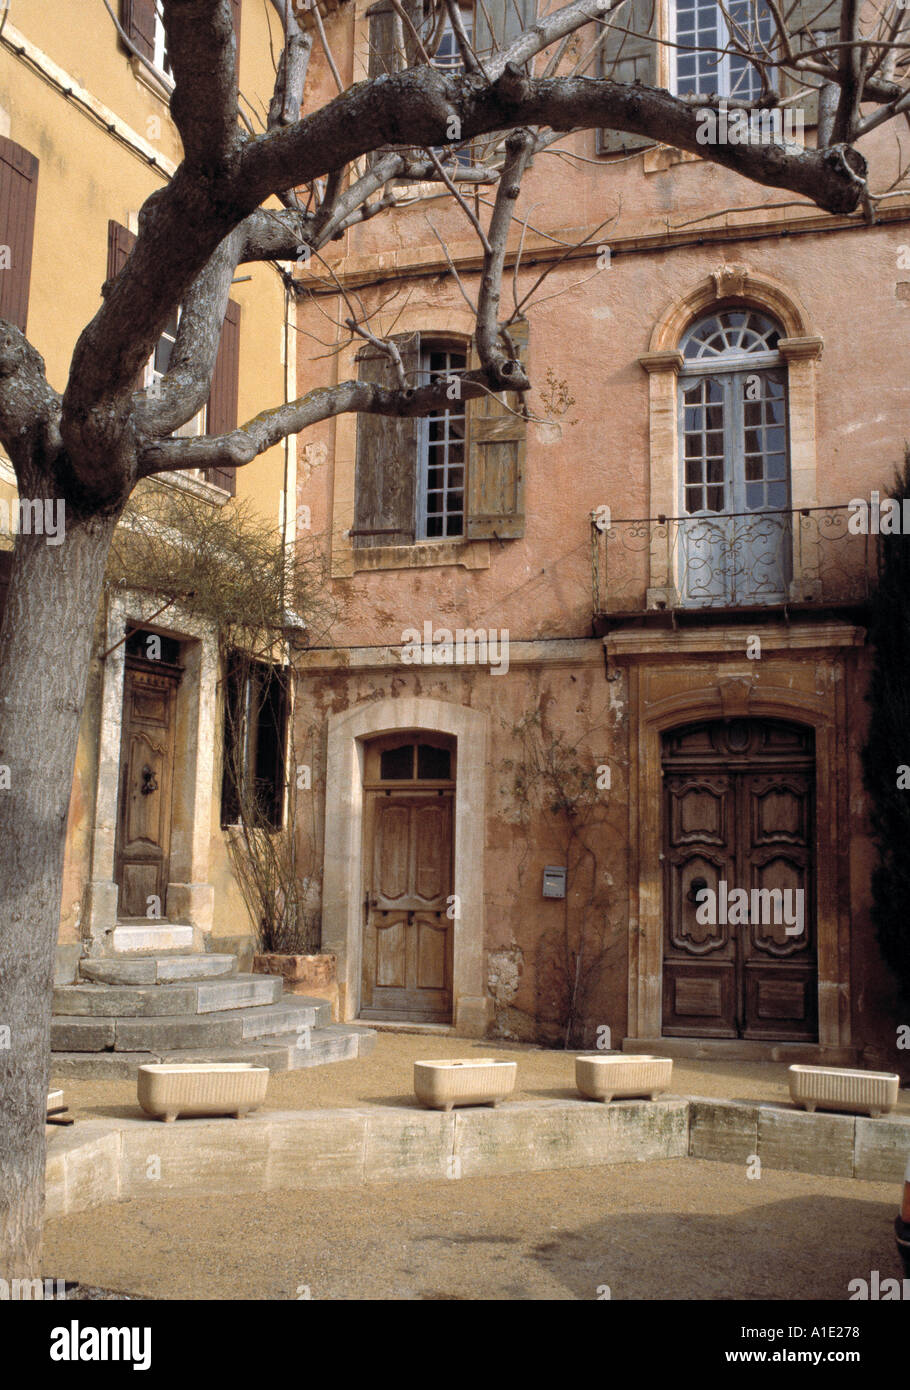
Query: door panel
{"points": [[407, 948], [146, 783], [744, 824]]}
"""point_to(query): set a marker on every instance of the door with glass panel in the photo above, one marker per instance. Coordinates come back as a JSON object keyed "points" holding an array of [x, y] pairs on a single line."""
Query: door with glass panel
{"points": [[733, 537]]}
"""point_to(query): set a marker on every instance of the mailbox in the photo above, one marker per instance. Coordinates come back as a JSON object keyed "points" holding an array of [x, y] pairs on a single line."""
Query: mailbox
{"points": [[554, 881]]}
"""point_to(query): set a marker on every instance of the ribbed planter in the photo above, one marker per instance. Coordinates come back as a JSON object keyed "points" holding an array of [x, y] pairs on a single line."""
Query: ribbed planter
{"points": [[872, 1093], [314, 976], [620, 1078], [484, 1081], [169, 1089]]}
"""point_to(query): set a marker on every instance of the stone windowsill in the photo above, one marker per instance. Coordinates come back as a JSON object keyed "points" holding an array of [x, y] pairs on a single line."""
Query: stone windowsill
{"points": [[349, 560]]}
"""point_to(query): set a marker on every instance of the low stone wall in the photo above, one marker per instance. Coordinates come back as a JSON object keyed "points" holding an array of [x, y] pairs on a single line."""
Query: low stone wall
{"points": [[100, 1161]]}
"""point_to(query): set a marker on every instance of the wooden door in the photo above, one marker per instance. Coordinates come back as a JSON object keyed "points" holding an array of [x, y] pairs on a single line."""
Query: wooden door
{"points": [[739, 819], [407, 948], [146, 789]]}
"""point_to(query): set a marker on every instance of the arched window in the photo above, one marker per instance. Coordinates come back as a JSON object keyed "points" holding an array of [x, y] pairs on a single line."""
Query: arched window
{"points": [[734, 461]]}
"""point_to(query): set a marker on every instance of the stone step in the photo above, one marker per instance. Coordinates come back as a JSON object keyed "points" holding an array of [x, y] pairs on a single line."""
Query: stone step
{"points": [[156, 969], [154, 936], [149, 1001], [337, 1043], [169, 1032], [290, 1014]]}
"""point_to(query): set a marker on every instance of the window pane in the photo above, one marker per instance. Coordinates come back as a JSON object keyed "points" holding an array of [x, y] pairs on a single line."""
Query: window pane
{"points": [[435, 763], [396, 764]]}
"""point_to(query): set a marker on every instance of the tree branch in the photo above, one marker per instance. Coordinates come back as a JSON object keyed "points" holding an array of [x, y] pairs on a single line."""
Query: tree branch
{"points": [[202, 53]]}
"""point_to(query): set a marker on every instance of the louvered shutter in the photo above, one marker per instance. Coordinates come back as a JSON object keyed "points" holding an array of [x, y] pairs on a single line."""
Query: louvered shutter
{"points": [[497, 23], [138, 20], [496, 457], [385, 484], [222, 411], [630, 57], [120, 242], [384, 56], [823, 16], [18, 198]]}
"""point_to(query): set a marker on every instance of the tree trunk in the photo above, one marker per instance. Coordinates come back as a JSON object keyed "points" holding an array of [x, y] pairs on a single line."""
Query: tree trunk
{"points": [[45, 651]]}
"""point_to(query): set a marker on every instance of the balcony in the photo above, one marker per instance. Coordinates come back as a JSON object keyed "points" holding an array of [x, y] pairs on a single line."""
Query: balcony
{"points": [[672, 570]]}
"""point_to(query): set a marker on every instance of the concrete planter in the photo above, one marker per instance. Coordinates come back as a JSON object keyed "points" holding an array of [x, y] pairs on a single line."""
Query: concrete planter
{"points": [[169, 1089], [872, 1093], [606, 1078], [440, 1085], [314, 976]]}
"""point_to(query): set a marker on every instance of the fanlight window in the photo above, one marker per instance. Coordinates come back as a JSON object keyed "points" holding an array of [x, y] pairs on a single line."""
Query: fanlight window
{"points": [[734, 529], [730, 333]]}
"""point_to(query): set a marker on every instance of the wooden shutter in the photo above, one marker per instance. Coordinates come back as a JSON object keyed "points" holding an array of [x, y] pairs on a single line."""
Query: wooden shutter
{"points": [[120, 243], [385, 486], [222, 412], [821, 15], [497, 23], [627, 58], [383, 54], [18, 198], [138, 20], [496, 457]]}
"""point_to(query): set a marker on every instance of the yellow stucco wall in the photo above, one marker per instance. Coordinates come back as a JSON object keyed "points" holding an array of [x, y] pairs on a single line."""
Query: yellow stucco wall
{"points": [[89, 174]]}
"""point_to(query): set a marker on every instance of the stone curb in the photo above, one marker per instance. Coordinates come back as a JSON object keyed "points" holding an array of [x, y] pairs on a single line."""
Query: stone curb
{"points": [[102, 1161]]}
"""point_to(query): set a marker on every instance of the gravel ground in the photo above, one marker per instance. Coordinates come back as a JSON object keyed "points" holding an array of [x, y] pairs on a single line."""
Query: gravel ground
{"points": [[674, 1229], [385, 1078]]}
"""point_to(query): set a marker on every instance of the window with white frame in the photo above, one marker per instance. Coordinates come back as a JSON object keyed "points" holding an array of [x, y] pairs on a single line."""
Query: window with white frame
{"points": [[734, 484], [441, 450], [158, 367], [702, 35], [160, 58]]}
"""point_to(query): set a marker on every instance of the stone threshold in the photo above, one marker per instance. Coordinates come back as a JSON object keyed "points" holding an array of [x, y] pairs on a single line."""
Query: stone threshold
{"points": [[746, 1050], [100, 1161]]}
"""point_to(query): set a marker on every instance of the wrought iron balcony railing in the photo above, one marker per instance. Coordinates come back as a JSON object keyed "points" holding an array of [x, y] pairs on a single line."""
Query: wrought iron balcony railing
{"points": [[733, 560]]}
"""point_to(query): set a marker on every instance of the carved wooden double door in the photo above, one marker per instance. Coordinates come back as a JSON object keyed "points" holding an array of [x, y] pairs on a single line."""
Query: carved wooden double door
{"points": [[739, 959], [407, 946]]}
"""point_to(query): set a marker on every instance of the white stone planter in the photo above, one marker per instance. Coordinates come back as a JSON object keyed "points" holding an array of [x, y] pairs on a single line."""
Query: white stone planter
{"points": [[168, 1089], [484, 1081], [609, 1078], [871, 1093]]}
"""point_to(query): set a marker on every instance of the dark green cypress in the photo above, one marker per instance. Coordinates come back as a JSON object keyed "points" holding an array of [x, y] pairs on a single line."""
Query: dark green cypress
{"points": [[888, 746]]}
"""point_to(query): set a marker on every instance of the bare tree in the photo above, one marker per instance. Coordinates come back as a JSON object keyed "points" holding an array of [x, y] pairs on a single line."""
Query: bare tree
{"points": [[329, 168]]}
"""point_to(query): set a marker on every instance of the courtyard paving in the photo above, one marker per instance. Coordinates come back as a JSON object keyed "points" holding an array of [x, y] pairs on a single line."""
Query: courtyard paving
{"points": [[385, 1078], [673, 1229]]}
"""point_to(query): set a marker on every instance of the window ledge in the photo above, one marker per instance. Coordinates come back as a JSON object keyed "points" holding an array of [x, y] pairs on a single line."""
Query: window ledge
{"points": [[158, 86], [472, 555], [196, 487]]}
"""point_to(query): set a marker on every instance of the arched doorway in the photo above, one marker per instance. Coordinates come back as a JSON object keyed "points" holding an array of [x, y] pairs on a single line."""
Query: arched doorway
{"points": [[739, 936], [410, 911]]}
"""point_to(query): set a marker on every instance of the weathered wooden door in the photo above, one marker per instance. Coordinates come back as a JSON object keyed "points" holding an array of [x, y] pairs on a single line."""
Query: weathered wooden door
{"points": [[146, 789], [407, 947], [739, 958]]}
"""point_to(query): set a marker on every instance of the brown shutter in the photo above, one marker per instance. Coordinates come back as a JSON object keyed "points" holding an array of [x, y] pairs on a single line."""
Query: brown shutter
{"points": [[222, 412], [629, 58], [496, 457], [18, 197], [120, 243], [138, 20], [385, 485]]}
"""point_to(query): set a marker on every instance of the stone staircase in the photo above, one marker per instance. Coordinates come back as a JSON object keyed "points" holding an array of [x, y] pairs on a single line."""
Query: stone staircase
{"points": [[170, 1006]]}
